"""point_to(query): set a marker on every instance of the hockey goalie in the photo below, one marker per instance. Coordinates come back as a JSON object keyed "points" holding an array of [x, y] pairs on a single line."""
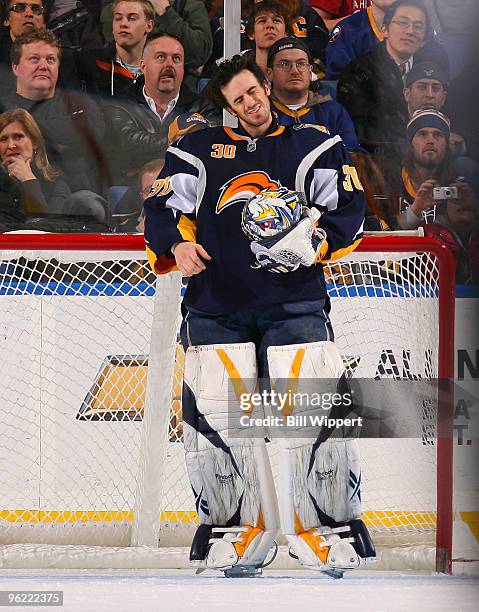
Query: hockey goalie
{"points": [[319, 476], [249, 215]]}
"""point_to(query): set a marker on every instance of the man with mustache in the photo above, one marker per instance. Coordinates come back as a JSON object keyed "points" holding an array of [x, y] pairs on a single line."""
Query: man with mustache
{"points": [[109, 70], [187, 20], [138, 123]]}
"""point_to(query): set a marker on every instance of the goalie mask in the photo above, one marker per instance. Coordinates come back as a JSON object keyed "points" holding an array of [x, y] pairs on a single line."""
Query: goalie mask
{"points": [[270, 212]]}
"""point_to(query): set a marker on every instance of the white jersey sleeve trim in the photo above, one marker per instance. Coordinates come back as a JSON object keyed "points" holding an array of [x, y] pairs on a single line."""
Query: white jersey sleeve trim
{"points": [[194, 161], [309, 160], [324, 188], [359, 232], [183, 198]]}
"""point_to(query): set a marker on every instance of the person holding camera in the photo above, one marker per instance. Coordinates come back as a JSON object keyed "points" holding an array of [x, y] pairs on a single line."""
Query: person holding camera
{"points": [[428, 175]]}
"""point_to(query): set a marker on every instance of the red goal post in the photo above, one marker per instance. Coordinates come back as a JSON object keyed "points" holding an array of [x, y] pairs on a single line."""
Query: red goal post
{"points": [[435, 278]]}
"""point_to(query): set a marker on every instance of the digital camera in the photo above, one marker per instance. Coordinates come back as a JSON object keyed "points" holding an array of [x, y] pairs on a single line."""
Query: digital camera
{"points": [[445, 193]]}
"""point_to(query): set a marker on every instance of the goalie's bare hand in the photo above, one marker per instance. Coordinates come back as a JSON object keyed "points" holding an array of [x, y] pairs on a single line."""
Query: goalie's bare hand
{"points": [[189, 258]]}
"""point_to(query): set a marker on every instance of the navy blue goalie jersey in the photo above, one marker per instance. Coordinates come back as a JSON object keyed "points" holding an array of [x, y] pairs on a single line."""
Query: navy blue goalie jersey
{"points": [[200, 194]]}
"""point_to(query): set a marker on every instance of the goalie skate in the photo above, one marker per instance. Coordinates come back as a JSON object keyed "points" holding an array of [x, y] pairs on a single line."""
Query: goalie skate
{"points": [[235, 550], [333, 549]]}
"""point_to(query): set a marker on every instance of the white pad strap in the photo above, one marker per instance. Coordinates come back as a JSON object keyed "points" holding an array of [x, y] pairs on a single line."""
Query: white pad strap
{"points": [[243, 545], [325, 549]]}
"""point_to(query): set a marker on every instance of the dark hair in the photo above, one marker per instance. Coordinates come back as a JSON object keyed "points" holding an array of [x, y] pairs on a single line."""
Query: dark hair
{"points": [[40, 35], [419, 4], [7, 3], [156, 35], [225, 73], [443, 172], [292, 7], [268, 6]]}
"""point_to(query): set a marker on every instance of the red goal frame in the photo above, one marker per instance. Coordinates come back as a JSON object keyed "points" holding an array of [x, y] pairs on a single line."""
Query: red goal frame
{"points": [[369, 244]]}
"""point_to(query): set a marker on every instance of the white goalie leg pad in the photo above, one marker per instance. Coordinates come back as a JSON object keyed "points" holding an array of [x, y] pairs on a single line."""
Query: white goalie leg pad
{"points": [[319, 477], [249, 544], [229, 471]]}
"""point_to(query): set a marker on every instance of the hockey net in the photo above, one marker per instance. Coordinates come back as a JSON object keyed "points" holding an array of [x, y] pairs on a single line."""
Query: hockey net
{"points": [[92, 469]]}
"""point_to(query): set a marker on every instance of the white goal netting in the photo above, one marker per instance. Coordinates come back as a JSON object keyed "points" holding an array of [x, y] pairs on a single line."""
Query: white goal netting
{"points": [[80, 462]]}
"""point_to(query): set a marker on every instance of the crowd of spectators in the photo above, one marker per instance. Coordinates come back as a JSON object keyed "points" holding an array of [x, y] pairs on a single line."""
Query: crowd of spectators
{"points": [[93, 90]]}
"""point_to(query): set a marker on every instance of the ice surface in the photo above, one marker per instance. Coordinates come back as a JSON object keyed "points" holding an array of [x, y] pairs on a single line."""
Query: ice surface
{"points": [[180, 590]]}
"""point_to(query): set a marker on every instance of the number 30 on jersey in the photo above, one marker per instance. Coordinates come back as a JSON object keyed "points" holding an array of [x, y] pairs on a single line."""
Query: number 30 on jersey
{"points": [[225, 151], [351, 178]]}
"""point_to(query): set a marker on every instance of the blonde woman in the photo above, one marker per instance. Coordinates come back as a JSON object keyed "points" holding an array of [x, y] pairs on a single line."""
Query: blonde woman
{"points": [[26, 169]]}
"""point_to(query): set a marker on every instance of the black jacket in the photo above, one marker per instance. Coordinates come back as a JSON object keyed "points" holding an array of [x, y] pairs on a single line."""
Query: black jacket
{"points": [[100, 74], [40, 195], [135, 133], [371, 90], [12, 213], [20, 200]]}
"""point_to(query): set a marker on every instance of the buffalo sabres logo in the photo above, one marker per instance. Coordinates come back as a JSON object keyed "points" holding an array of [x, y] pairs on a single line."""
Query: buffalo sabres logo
{"points": [[242, 187]]}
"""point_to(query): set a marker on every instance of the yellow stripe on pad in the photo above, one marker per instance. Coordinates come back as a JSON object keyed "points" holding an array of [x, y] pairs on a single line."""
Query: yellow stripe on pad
{"points": [[293, 377], [238, 384]]}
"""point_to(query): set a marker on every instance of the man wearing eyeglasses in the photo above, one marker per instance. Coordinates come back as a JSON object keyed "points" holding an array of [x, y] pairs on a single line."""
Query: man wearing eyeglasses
{"points": [[290, 73], [361, 33], [371, 87], [22, 17], [18, 17]]}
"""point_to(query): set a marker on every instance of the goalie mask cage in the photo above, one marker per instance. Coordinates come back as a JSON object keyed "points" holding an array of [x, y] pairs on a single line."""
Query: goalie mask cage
{"points": [[92, 470]]}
